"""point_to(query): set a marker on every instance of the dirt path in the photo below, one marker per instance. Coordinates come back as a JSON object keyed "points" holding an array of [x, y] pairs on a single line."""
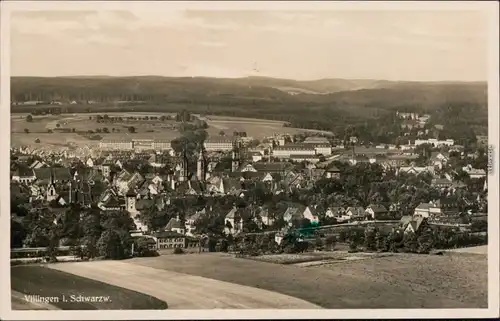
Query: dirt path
{"points": [[182, 291], [471, 250]]}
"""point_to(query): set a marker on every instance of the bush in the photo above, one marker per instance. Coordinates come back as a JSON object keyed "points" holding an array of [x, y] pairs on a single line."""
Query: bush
{"points": [[178, 250], [330, 242]]}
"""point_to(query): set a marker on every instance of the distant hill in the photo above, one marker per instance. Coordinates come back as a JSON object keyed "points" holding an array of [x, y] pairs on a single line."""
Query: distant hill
{"points": [[168, 88], [326, 104]]}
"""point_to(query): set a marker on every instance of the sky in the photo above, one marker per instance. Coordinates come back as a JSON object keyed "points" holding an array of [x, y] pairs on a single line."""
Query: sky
{"points": [[302, 45]]}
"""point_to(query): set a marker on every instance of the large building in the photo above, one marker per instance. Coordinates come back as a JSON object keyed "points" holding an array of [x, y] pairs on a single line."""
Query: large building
{"points": [[435, 142], [317, 140], [323, 149], [219, 144], [142, 144], [293, 149], [135, 144], [108, 144], [162, 144]]}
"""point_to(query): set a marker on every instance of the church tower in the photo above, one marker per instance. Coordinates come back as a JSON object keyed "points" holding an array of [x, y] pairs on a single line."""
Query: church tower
{"points": [[201, 166], [184, 166], [235, 158], [184, 170]]}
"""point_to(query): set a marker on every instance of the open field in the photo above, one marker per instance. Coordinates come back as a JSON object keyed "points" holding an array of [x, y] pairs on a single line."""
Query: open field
{"points": [[257, 128], [38, 128], [81, 123], [51, 141], [46, 282], [472, 250], [400, 281], [180, 290], [315, 258]]}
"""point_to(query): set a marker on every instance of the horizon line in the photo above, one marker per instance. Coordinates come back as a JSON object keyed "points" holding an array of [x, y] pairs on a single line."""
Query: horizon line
{"points": [[253, 76]]}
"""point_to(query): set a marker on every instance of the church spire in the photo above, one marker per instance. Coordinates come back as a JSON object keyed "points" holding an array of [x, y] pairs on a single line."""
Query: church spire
{"points": [[201, 164], [235, 158]]}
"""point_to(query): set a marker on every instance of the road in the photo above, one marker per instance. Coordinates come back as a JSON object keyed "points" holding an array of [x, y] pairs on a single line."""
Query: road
{"points": [[182, 291]]}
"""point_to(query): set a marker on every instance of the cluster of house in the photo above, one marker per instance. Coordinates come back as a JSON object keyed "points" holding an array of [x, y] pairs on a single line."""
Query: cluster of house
{"points": [[413, 119], [92, 181]]}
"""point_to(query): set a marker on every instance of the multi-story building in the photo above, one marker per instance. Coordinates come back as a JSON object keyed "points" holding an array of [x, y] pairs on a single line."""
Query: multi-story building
{"points": [[136, 144], [169, 240], [317, 140], [162, 144], [142, 144], [218, 144], [116, 144], [323, 149], [435, 142], [293, 149]]}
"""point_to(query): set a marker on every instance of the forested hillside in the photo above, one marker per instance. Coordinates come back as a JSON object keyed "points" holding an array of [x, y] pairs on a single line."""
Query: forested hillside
{"points": [[341, 102]]}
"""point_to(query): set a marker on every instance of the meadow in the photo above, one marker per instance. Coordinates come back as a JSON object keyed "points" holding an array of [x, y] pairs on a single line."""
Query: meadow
{"points": [[82, 123], [399, 281], [180, 290], [46, 282]]}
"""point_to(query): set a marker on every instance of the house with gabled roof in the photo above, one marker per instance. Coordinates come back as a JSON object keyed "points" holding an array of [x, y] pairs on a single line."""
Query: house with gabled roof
{"points": [[474, 172], [190, 187], [191, 220], [233, 221], [416, 170], [48, 175], [311, 214], [113, 203], [377, 211], [294, 180], [335, 211], [439, 159], [175, 225], [332, 171], [294, 212], [24, 175], [37, 164], [441, 183], [265, 217], [355, 212]]}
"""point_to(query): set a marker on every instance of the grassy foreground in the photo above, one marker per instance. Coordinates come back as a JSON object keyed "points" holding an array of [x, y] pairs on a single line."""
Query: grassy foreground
{"points": [[401, 281], [45, 282]]}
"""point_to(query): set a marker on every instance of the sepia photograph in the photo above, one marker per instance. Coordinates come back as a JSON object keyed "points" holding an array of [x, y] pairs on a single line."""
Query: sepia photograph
{"points": [[249, 160]]}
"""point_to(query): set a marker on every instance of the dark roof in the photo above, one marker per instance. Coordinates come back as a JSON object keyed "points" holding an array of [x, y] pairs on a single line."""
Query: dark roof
{"points": [[332, 169], [185, 186], [295, 211], [356, 210], [424, 206], [144, 204], [377, 208], [167, 234], [440, 181], [89, 174], [114, 202], [57, 173], [238, 213], [405, 220], [272, 167], [173, 223], [25, 172]]}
